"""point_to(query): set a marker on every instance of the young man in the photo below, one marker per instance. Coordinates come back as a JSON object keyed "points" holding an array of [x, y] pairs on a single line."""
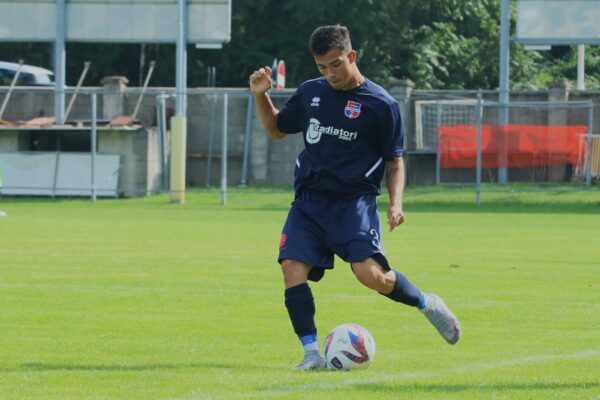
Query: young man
{"points": [[352, 134]]}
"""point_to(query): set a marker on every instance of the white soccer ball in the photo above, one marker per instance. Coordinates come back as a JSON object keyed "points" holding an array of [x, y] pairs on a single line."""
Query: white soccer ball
{"points": [[349, 346]]}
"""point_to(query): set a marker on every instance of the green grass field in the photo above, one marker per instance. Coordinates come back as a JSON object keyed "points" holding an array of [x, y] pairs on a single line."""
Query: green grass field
{"points": [[143, 299]]}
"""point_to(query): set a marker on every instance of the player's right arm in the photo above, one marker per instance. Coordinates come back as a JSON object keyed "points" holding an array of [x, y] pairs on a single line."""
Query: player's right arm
{"points": [[260, 84]]}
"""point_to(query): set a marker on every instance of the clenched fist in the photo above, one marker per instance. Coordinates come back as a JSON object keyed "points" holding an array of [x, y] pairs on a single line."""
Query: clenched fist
{"points": [[260, 81]]}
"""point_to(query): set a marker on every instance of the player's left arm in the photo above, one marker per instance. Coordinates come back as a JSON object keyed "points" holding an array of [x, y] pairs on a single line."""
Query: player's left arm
{"points": [[394, 177]]}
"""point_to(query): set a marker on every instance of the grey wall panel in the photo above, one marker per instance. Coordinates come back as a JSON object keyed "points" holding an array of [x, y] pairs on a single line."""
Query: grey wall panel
{"points": [[28, 173], [75, 170], [61, 174], [558, 21], [118, 22], [213, 22], [153, 21], [27, 21]]}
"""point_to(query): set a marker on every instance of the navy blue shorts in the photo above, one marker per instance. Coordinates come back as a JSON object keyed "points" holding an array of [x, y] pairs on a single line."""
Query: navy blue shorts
{"points": [[319, 226]]}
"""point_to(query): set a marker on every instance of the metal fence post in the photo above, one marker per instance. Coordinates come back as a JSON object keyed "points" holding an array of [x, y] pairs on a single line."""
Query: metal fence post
{"points": [[211, 138], [161, 118], [247, 139], [93, 139], [224, 153], [479, 116], [588, 164], [438, 122], [159, 126]]}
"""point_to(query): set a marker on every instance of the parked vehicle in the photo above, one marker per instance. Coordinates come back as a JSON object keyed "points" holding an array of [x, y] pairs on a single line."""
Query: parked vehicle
{"points": [[29, 75]]}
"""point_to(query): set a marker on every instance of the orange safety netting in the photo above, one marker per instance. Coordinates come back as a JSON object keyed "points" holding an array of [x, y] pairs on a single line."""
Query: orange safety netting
{"points": [[512, 146]]}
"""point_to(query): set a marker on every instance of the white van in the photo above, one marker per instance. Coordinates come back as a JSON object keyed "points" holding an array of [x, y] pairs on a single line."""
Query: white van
{"points": [[29, 76]]}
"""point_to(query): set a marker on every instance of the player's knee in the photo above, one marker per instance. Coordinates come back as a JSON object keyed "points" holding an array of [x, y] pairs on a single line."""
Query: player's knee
{"points": [[369, 277], [294, 272], [289, 267]]}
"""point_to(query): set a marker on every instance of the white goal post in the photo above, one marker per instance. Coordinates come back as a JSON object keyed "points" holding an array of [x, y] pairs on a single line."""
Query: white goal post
{"points": [[430, 114]]}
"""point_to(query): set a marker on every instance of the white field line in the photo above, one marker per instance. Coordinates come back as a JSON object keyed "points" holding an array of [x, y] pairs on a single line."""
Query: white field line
{"points": [[354, 380]]}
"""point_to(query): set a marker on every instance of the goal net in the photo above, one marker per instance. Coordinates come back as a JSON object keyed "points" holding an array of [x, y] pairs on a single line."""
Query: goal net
{"points": [[430, 114], [535, 142]]}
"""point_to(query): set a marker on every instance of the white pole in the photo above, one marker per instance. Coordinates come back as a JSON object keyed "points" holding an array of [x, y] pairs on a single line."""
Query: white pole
{"points": [[504, 80], [60, 61], [181, 59], [580, 67], [179, 121]]}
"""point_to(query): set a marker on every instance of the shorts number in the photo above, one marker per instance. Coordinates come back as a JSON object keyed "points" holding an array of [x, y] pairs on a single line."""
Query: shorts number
{"points": [[375, 234]]}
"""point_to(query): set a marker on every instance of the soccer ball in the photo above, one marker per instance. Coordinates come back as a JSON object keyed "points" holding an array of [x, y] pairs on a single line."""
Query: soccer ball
{"points": [[349, 346]]}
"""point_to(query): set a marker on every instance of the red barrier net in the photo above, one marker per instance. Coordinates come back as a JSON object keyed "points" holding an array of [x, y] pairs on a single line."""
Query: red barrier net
{"points": [[512, 146]]}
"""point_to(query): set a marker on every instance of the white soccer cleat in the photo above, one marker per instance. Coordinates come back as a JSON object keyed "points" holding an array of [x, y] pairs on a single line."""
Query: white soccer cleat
{"points": [[442, 318], [312, 360]]}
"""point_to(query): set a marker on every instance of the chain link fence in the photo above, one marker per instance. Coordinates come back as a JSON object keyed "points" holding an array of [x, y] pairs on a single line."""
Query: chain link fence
{"points": [[541, 143], [226, 143], [119, 144]]}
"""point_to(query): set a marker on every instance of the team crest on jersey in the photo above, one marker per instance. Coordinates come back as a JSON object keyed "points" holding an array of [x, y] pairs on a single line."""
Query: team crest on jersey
{"points": [[352, 109]]}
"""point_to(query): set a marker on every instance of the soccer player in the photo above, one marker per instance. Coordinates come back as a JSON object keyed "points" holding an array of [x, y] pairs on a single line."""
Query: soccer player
{"points": [[353, 135]]}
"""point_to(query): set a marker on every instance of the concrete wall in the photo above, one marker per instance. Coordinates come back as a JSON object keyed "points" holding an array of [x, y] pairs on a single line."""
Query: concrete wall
{"points": [[140, 169], [205, 118]]}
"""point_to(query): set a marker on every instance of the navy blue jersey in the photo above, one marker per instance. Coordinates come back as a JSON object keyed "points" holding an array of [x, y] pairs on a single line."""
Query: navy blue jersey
{"points": [[348, 136]]}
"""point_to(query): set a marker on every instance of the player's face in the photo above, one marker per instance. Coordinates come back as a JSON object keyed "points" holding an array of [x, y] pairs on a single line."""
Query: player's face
{"points": [[337, 66]]}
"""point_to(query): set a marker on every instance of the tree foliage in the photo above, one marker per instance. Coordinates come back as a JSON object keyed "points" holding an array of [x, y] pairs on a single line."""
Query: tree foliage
{"points": [[439, 44]]}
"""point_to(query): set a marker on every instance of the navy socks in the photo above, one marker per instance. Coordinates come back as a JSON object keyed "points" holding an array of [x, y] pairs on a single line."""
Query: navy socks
{"points": [[404, 291], [300, 304]]}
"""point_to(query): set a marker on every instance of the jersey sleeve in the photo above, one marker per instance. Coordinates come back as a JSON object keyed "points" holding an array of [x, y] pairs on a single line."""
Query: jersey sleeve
{"points": [[392, 133], [291, 116]]}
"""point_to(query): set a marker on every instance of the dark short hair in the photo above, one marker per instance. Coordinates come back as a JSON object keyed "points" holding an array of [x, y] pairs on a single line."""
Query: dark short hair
{"points": [[328, 37]]}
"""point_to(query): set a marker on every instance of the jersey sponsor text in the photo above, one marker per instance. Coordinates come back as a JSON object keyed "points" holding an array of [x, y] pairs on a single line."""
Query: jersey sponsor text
{"points": [[315, 130]]}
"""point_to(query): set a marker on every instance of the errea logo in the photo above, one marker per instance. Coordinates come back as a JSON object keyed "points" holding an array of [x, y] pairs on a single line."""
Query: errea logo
{"points": [[315, 102]]}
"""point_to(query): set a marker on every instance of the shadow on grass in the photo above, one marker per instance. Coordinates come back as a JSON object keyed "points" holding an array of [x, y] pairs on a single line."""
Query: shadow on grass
{"points": [[6, 200], [441, 206], [544, 203], [44, 367], [526, 199], [458, 388], [443, 200], [498, 207]]}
